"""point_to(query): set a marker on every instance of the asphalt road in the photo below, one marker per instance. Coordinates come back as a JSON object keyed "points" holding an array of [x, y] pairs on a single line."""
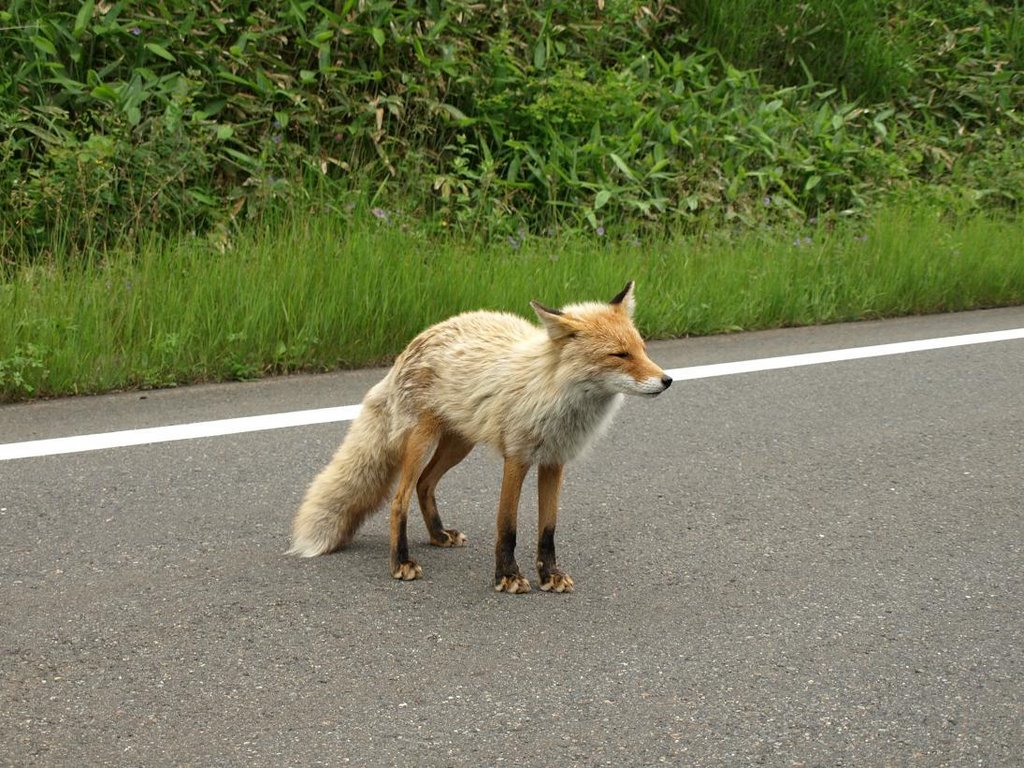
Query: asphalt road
{"points": [[819, 566]]}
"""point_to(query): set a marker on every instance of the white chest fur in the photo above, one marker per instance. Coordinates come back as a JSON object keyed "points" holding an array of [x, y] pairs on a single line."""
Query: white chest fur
{"points": [[569, 429]]}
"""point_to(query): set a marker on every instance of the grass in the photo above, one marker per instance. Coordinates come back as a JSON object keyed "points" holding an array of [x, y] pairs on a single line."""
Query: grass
{"points": [[319, 292], [856, 44]]}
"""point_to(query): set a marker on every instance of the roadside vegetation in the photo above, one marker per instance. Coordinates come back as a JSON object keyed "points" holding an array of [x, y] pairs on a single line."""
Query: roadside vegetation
{"points": [[221, 191]]}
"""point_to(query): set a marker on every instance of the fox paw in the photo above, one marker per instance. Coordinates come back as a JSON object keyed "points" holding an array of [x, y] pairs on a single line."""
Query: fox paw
{"points": [[407, 571], [557, 581], [450, 538], [512, 584]]}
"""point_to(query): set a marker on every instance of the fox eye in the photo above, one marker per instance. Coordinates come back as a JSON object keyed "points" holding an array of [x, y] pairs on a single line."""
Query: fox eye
{"points": [[623, 355]]}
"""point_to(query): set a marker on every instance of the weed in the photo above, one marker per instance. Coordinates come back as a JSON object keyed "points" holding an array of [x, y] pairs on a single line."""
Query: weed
{"points": [[20, 369], [118, 122]]}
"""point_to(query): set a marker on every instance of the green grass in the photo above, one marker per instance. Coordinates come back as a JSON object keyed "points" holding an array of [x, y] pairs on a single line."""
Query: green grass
{"points": [[855, 44], [319, 292], [712, 131]]}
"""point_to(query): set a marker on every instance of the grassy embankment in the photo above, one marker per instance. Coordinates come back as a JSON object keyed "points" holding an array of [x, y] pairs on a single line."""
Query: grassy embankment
{"points": [[312, 294], [189, 195]]}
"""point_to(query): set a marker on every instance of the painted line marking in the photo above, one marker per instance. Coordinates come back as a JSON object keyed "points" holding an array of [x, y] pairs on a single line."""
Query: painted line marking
{"points": [[146, 436], [840, 355]]}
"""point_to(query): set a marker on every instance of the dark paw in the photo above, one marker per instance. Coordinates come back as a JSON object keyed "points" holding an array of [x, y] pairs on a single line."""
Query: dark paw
{"points": [[450, 538], [516, 584], [407, 571], [557, 581]]}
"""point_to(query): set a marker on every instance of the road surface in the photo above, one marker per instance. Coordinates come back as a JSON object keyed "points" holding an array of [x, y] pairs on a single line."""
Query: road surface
{"points": [[812, 566]]}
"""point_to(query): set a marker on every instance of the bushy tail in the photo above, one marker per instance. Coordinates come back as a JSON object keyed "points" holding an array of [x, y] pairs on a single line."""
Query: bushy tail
{"points": [[352, 486]]}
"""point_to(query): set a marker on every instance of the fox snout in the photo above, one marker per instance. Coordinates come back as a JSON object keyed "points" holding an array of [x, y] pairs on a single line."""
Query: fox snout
{"points": [[660, 386], [651, 386]]}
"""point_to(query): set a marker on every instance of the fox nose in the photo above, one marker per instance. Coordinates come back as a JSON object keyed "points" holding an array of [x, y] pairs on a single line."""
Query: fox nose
{"points": [[666, 381]]}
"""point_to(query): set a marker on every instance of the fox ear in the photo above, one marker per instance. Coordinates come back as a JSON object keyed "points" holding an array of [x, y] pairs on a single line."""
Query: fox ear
{"points": [[555, 321], [625, 299]]}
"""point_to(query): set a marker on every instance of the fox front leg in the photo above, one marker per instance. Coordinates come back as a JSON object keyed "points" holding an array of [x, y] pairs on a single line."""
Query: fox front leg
{"points": [[549, 485], [507, 576]]}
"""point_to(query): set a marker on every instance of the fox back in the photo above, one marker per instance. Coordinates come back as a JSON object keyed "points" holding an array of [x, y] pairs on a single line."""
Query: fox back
{"points": [[539, 394]]}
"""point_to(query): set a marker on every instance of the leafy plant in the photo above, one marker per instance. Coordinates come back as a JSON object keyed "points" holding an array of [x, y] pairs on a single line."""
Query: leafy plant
{"points": [[20, 369], [118, 120]]}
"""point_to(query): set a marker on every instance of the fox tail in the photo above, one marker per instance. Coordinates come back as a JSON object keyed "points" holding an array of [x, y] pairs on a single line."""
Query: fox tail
{"points": [[352, 486]]}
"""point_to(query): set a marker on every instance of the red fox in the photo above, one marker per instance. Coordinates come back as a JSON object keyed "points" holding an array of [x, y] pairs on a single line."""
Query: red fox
{"points": [[535, 395]]}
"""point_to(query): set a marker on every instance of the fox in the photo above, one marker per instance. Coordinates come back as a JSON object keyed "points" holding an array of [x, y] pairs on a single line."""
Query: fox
{"points": [[535, 394]]}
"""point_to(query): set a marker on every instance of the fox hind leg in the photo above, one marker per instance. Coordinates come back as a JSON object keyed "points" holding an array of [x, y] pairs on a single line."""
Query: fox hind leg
{"points": [[417, 444], [451, 449]]}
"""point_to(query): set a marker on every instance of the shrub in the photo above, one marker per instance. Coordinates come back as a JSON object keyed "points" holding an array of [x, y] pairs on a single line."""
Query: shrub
{"points": [[493, 118]]}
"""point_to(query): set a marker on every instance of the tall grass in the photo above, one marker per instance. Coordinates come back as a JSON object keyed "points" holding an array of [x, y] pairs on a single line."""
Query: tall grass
{"points": [[318, 292], [858, 45]]}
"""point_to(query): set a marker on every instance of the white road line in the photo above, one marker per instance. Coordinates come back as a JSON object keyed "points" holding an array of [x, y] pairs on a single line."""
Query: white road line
{"points": [[96, 442], [128, 437], [839, 355]]}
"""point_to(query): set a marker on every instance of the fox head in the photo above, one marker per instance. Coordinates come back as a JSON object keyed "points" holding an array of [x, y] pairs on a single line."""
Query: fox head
{"points": [[600, 347]]}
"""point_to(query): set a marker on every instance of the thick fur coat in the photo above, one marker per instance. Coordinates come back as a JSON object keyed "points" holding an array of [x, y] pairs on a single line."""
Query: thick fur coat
{"points": [[537, 395]]}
